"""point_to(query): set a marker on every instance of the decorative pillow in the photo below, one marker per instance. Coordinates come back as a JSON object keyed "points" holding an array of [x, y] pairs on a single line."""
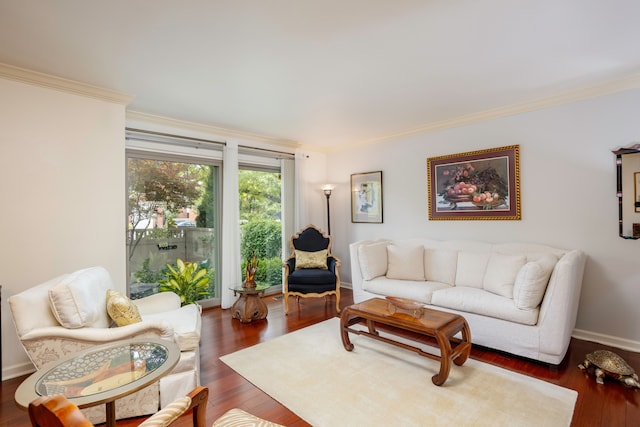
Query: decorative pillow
{"points": [[531, 281], [373, 260], [501, 273], [440, 265], [470, 268], [78, 300], [405, 262], [316, 259], [121, 309]]}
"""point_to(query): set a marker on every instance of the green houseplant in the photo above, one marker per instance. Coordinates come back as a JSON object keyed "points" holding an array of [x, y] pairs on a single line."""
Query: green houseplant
{"points": [[188, 280]]}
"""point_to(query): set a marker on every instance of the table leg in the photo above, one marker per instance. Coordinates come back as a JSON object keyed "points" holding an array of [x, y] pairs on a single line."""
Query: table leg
{"points": [[344, 324], [445, 359], [110, 408]]}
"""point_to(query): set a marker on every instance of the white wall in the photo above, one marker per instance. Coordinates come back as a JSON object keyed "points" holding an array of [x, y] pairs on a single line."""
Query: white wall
{"points": [[568, 196], [63, 203]]}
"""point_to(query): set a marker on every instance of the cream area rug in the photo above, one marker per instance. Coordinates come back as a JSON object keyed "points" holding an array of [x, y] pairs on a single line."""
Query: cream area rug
{"points": [[378, 384]]}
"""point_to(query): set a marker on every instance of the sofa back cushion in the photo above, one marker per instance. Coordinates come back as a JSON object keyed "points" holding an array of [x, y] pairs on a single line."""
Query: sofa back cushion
{"points": [[30, 308], [531, 281], [373, 260], [500, 276], [405, 262], [80, 299], [471, 267], [440, 265]]}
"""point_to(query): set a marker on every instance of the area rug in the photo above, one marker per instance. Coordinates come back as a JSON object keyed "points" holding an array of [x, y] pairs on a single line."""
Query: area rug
{"points": [[378, 384]]}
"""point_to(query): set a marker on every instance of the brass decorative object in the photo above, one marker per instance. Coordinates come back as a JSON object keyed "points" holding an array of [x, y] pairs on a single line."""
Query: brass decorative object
{"points": [[250, 272], [607, 363]]}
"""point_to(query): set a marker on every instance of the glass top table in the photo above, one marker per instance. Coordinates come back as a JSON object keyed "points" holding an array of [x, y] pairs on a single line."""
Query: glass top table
{"points": [[249, 306], [101, 374]]}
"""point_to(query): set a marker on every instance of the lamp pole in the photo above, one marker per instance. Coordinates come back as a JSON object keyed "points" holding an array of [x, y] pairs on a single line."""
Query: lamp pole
{"points": [[327, 193]]}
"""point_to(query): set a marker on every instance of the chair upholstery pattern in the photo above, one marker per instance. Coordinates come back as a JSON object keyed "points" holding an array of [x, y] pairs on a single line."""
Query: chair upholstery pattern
{"points": [[46, 340], [311, 282]]}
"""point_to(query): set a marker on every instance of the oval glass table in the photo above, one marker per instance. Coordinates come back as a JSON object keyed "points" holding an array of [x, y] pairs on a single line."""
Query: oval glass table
{"points": [[101, 374]]}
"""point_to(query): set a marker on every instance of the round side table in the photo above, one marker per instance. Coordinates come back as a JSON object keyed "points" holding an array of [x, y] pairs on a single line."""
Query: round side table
{"points": [[249, 306]]}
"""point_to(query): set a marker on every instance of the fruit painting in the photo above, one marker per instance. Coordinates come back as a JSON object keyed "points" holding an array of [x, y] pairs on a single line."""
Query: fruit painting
{"points": [[478, 185]]}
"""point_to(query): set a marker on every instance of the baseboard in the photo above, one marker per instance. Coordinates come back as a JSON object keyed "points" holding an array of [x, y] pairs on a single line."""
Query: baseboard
{"points": [[346, 285], [17, 370], [609, 340]]}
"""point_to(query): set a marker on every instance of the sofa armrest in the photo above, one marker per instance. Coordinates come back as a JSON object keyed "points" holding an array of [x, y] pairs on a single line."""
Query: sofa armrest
{"points": [[333, 263], [47, 344], [559, 309], [290, 264]]}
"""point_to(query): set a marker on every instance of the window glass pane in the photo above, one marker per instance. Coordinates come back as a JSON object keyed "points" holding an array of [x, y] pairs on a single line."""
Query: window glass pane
{"points": [[172, 216], [260, 223]]}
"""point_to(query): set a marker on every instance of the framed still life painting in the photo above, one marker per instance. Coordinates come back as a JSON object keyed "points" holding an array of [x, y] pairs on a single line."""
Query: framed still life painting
{"points": [[366, 197], [477, 185]]}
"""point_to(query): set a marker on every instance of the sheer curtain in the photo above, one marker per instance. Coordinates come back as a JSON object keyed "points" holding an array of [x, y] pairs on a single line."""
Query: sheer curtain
{"points": [[301, 183], [231, 275], [288, 169]]}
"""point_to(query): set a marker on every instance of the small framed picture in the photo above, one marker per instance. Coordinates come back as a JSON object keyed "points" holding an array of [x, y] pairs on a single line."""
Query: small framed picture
{"points": [[366, 197]]}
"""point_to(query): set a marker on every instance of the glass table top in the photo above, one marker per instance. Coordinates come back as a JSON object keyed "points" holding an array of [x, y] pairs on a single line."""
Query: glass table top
{"points": [[102, 370], [103, 373], [258, 288]]}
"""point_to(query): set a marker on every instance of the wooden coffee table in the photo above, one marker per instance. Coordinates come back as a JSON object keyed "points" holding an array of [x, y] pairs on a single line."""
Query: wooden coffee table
{"points": [[437, 324]]}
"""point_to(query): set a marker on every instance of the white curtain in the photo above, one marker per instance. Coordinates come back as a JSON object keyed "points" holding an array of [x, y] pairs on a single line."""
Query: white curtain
{"points": [[288, 169], [231, 275], [301, 216]]}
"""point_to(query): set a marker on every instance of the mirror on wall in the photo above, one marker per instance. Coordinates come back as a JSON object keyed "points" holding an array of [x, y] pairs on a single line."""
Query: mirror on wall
{"points": [[628, 191]]}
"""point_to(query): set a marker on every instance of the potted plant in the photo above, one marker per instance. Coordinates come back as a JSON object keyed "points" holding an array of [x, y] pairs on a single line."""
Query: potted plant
{"points": [[188, 280]]}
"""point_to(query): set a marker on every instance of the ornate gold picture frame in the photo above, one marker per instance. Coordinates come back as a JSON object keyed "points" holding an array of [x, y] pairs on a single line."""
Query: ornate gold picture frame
{"points": [[477, 185]]}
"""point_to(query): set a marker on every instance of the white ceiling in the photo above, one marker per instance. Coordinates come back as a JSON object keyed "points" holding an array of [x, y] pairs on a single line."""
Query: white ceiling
{"points": [[325, 73]]}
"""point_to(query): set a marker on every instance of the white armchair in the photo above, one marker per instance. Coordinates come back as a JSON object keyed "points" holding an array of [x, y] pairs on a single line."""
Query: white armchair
{"points": [[69, 313]]}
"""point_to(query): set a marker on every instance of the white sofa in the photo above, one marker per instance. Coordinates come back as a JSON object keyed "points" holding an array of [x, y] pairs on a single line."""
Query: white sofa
{"points": [[519, 298], [68, 314]]}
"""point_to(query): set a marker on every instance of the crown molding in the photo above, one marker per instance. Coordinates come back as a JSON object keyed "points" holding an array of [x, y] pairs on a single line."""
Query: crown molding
{"points": [[207, 129], [64, 85], [607, 88]]}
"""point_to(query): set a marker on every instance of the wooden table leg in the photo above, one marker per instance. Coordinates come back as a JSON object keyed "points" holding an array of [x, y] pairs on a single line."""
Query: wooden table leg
{"points": [[110, 409], [445, 359], [344, 324]]}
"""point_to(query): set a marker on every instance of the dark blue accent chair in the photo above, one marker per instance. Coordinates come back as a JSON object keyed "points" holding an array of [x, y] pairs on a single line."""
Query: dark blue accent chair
{"points": [[311, 282]]}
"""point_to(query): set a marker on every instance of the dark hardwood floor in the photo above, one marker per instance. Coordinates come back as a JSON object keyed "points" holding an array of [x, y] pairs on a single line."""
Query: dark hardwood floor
{"points": [[610, 405]]}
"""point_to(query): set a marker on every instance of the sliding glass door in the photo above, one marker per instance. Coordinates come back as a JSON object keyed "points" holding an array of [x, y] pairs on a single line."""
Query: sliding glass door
{"points": [[261, 223], [173, 214]]}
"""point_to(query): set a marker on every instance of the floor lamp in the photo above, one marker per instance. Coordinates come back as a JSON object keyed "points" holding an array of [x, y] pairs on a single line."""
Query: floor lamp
{"points": [[327, 192]]}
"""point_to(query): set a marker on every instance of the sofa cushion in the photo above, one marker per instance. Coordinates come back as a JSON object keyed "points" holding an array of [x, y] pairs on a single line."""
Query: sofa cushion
{"points": [[470, 268], [501, 273], [373, 260], [317, 259], [121, 309], [405, 262], [440, 265], [80, 299], [479, 301], [531, 281], [417, 290]]}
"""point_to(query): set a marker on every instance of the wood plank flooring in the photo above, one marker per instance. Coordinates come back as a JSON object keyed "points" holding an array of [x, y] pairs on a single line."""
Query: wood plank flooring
{"points": [[610, 405]]}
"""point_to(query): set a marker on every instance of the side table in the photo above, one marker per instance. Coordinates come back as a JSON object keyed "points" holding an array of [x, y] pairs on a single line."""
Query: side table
{"points": [[249, 306], [101, 374]]}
